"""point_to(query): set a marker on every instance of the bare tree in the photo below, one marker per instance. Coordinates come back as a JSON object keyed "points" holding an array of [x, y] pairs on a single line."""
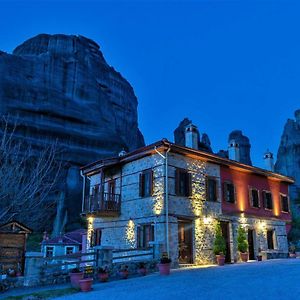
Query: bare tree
{"points": [[28, 175]]}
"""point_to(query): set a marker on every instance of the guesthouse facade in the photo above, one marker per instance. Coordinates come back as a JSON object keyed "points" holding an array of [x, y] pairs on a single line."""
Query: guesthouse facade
{"points": [[170, 197]]}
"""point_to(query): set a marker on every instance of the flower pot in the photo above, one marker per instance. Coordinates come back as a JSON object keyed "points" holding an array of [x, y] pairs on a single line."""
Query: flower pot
{"points": [[123, 274], [142, 271], [164, 269], [103, 277], [74, 278], [292, 255], [259, 257], [244, 256], [86, 284], [220, 259]]}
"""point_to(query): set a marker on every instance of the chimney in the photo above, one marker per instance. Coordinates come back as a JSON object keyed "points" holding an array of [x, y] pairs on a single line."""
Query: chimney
{"points": [[191, 136], [269, 161], [234, 150]]}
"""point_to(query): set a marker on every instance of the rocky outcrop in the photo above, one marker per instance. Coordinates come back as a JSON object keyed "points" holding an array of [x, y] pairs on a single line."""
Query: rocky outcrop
{"points": [[59, 87], [288, 155], [179, 136], [243, 144]]}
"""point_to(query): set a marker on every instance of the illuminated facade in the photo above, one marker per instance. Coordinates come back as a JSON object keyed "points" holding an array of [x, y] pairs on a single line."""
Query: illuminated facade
{"points": [[170, 197]]}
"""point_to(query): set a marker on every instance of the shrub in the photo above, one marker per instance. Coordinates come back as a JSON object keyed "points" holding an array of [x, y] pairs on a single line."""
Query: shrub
{"points": [[219, 242], [242, 242]]}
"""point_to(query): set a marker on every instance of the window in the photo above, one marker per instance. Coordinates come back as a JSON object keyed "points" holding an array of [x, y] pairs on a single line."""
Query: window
{"points": [[146, 183], [254, 198], [270, 239], [145, 234], [267, 198], [183, 183], [229, 192], [211, 189], [49, 251], [69, 250], [96, 237], [284, 203]]}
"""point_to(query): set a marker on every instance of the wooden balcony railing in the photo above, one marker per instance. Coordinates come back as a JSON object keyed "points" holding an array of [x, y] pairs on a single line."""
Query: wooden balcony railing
{"points": [[102, 204]]}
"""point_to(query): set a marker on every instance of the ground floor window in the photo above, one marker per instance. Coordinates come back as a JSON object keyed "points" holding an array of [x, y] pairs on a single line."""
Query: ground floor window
{"points": [[69, 250], [145, 234], [96, 237], [49, 251], [284, 203], [270, 239]]}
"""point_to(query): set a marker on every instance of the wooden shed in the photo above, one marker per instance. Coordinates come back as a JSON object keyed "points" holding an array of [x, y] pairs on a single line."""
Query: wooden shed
{"points": [[13, 236]]}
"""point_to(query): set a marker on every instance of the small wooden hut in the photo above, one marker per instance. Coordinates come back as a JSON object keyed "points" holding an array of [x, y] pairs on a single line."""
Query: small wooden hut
{"points": [[13, 236]]}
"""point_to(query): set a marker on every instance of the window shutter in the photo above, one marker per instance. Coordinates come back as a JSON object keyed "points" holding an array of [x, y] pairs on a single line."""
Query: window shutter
{"points": [[225, 191], [151, 184], [206, 188], [138, 236], [264, 198], [141, 185], [234, 193], [189, 184], [177, 180]]}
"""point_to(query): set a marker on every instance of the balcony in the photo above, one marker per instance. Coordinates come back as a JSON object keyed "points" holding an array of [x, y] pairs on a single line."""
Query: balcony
{"points": [[102, 205]]}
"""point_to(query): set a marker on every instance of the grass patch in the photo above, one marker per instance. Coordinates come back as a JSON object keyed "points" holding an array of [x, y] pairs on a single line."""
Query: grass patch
{"points": [[48, 294]]}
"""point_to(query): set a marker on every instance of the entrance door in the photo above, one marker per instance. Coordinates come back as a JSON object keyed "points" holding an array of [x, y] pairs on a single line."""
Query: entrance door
{"points": [[251, 244], [226, 235], [185, 242]]}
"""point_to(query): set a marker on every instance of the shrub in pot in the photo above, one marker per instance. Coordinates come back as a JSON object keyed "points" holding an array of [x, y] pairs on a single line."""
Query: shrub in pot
{"points": [[165, 265], [103, 274], [123, 272], [219, 247], [242, 244], [86, 284], [75, 276], [292, 251], [142, 269]]}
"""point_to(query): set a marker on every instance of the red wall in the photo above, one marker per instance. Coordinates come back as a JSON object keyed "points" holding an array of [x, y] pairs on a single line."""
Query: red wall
{"points": [[242, 182]]}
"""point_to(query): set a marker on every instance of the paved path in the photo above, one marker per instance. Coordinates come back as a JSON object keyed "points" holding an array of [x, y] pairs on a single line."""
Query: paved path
{"points": [[273, 279]]}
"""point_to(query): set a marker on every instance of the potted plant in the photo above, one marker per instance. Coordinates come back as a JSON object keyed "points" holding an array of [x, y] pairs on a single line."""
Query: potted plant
{"points": [[103, 274], [123, 272], [86, 284], [242, 244], [259, 255], [142, 269], [219, 247], [292, 251], [75, 276], [165, 265]]}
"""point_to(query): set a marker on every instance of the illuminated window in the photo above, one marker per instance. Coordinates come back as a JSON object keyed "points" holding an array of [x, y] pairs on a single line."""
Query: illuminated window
{"points": [[267, 198], [284, 203], [69, 250], [145, 234], [254, 198], [211, 189], [183, 183], [229, 192], [49, 251], [146, 183]]}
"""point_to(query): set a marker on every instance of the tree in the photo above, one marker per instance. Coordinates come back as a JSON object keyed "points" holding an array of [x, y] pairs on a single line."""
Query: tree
{"points": [[28, 175], [219, 242], [242, 242]]}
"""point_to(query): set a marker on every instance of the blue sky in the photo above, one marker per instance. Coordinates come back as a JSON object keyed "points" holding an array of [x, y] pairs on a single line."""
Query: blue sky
{"points": [[224, 64]]}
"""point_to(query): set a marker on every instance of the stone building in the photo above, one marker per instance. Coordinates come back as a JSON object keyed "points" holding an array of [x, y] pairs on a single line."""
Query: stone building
{"points": [[170, 197]]}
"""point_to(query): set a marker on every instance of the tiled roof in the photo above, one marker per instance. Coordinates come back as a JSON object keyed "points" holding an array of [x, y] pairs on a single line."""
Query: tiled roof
{"points": [[69, 238]]}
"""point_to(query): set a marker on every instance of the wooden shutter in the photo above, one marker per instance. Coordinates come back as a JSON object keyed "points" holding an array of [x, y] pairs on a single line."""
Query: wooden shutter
{"points": [[177, 180], [225, 191], [151, 184], [141, 185], [264, 198], [189, 184], [206, 188], [138, 236]]}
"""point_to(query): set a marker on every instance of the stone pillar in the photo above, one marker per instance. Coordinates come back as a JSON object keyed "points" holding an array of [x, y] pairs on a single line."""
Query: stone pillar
{"points": [[104, 256], [33, 267]]}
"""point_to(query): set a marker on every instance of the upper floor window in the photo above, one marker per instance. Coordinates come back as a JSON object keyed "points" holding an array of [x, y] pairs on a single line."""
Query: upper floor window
{"points": [[284, 203], [145, 234], [183, 183], [211, 189], [229, 192], [146, 183], [254, 198], [267, 198]]}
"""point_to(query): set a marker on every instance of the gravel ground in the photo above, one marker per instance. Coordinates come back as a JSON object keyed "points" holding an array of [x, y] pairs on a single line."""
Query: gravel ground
{"points": [[273, 279]]}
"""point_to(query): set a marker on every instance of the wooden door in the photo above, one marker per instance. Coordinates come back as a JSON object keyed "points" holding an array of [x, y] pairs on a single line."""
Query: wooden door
{"points": [[185, 241], [251, 244], [226, 235]]}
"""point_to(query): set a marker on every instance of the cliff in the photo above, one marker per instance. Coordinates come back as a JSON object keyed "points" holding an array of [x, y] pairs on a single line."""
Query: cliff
{"points": [[59, 87]]}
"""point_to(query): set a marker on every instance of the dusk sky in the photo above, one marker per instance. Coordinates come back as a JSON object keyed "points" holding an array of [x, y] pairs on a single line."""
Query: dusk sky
{"points": [[224, 64]]}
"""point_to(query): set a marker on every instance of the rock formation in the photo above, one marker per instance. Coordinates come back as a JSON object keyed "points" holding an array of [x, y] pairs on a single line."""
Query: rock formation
{"points": [[288, 155], [179, 136], [59, 87]]}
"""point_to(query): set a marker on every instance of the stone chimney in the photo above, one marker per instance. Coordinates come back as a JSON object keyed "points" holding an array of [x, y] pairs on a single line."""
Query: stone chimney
{"points": [[191, 136], [234, 150], [269, 161]]}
